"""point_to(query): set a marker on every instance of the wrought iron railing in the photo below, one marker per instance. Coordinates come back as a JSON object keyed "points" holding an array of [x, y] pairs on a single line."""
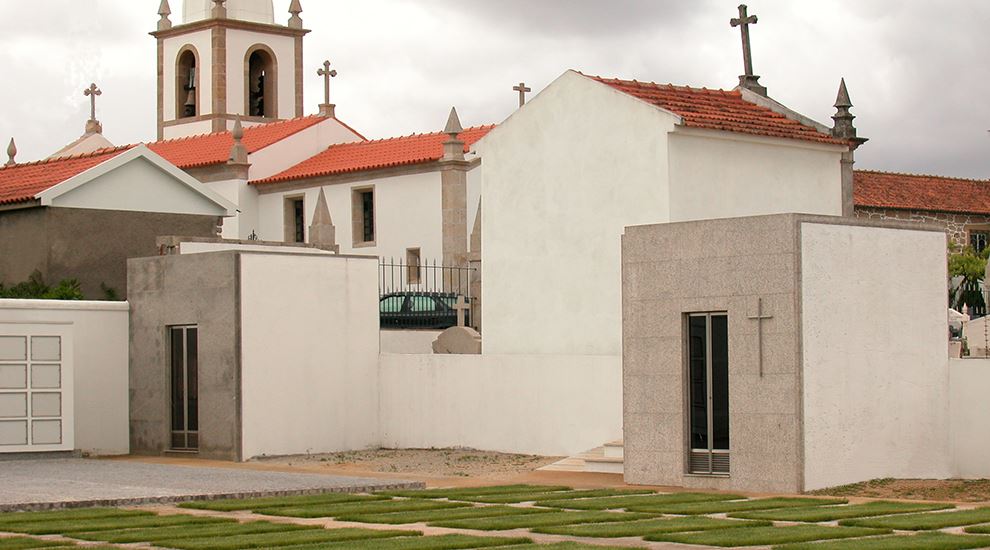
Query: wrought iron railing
{"points": [[971, 296], [425, 295]]}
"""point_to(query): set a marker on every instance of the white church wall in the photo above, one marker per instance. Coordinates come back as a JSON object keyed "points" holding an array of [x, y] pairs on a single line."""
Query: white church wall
{"points": [[202, 41], [407, 215], [187, 129], [875, 358], [99, 333], [407, 342], [316, 388], [298, 147], [547, 405], [238, 44], [562, 177], [725, 175], [969, 385]]}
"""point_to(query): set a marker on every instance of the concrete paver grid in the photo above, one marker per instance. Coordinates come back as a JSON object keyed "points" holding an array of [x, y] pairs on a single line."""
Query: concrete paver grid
{"points": [[54, 483]]}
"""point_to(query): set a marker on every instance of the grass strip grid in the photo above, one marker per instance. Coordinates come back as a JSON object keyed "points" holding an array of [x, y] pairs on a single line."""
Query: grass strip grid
{"points": [[155, 535], [474, 491], [401, 518], [832, 513], [442, 542], [615, 503], [979, 529], [763, 536], [923, 541], [562, 546], [275, 540], [24, 543], [648, 527], [16, 518], [537, 520], [108, 524], [237, 505], [925, 522], [515, 498], [722, 507], [337, 510]]}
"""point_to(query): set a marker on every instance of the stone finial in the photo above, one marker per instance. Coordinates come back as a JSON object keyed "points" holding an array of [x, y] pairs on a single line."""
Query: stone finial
{"points": [[93, 125], [238, 153], [295, 8], [219, 10], [453, 148], [322, 232], [843, 117], [327, 109], [11, 153], [164, 10]]}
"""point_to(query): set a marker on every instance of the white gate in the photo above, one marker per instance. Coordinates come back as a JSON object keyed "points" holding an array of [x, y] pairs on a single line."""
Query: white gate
{"points": [[36, 400]]}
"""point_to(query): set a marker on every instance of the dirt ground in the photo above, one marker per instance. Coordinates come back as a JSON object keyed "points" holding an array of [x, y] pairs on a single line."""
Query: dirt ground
{"points": [[956, 490], [428, 462]]}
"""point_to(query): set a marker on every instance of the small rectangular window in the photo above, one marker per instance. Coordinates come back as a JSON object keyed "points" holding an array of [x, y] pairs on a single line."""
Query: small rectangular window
{"points": [[413, 260], [363, 214], [708, 393], [184, 375], [295, 220], [979, 240]]}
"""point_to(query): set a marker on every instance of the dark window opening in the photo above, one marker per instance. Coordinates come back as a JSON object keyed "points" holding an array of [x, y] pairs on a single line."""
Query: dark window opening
{"points": [[299, 219], [708, 393], [184, 376], [261, 85], [185, 86], [979, 240]]}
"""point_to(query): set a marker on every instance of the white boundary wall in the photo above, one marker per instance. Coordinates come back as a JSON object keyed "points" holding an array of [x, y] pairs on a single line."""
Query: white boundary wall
{"points": [[969, 386], [99, 338], [546, 405]]}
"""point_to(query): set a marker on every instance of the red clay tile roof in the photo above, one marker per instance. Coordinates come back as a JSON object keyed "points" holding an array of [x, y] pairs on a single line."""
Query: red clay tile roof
{"points": [[22, 182], [719, 110], [371, 155], [916, 192], [209, 149]]}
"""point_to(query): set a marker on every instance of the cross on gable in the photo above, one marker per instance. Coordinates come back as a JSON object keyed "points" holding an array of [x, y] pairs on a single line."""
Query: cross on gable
{"points": [[92, 93], [523, 90], [327, 74], [744, 21], [461, 306]]}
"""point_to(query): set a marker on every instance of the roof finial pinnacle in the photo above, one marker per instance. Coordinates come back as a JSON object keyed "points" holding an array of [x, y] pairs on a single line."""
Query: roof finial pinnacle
{"points": [[238, 153], [11, 153], [842, 99], [164, 10], [295, 8], [453, 148], [453, 124], [843, 117], [219, 10]]}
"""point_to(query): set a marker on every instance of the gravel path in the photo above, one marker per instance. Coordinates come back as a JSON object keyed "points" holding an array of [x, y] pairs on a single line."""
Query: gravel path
{"points": [[57, 483]]}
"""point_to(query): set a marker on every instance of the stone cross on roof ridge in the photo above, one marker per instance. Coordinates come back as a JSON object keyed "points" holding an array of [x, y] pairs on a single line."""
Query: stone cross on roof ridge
{"points": [[93, 125], [523, 90], [327, 108], [748, 79]]}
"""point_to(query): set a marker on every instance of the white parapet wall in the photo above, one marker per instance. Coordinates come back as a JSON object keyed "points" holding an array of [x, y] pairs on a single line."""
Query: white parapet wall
{"points": [[554, 405], [409, 342], [969, 386], [94, 339]]}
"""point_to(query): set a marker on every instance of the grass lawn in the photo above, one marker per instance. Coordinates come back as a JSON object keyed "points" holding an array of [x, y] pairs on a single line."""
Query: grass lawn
{"points": [[537, 520], [355, 508], [235, 505], [924, 541], [22, 543], [833, 513], [925, 522], [980, 529], [400, 518], [275, 540], [513, 498], [699, 508], [474, 491], [563, 546], [63, 515], [762, 536], [106, 524], [130, 536], [614, 503], [648, 527], [443, 542]]}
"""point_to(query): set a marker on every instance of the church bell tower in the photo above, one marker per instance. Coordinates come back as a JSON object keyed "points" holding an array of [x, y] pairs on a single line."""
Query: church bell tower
{"points": [[227, 59]]}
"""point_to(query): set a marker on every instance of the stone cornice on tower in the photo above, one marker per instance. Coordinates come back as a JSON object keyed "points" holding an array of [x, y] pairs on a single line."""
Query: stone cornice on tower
{"points": [[208, 24]]}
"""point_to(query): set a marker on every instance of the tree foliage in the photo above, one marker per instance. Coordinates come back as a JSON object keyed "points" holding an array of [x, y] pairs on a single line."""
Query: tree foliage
{"points": [[35, 288]]}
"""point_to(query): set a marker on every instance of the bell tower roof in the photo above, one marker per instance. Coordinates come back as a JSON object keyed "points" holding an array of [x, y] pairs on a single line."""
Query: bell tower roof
{"points": [[257, 11]]}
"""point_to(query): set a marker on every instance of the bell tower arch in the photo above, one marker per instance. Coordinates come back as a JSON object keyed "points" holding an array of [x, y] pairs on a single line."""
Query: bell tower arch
{"points": [[227, 58]]}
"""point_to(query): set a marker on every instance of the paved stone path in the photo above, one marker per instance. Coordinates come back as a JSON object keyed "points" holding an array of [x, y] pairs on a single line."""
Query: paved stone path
{"points": [[55, 483]]}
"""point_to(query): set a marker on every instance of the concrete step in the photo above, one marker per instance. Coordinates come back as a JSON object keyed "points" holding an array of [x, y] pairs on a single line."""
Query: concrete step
{"points": [[614, 449], [607, 459], [604, 465]]}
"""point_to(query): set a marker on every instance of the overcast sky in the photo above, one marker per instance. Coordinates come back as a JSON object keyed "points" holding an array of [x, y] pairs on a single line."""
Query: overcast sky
{"points": [[918, 71]]}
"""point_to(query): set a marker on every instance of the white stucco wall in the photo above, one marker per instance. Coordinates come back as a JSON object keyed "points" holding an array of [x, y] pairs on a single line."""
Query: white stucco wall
{"points": [[309, 381], [969, 386], [100, 365], [406, 342], [724, 175], [202, 42], [548, 405], [407, 215], [188, 129], [238, 43], [298, 147], [875, 354], [562, 177], [139, 186]]}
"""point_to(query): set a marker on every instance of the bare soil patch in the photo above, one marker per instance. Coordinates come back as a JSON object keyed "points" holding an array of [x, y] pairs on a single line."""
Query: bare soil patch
{"points": [[464, 463], [955, 490]]}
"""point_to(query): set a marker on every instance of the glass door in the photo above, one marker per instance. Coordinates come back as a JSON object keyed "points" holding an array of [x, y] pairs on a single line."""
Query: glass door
{"points": [[184, 375], [708, 393]]}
